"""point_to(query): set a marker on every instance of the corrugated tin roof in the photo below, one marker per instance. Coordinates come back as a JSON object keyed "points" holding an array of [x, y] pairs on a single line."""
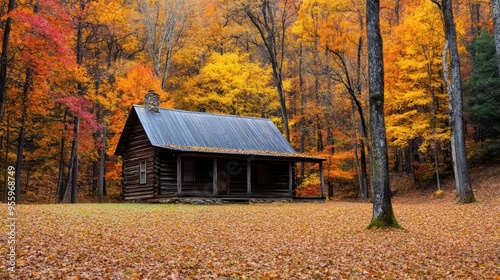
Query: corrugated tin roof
{"points": [[184, 128], [211, 133]]}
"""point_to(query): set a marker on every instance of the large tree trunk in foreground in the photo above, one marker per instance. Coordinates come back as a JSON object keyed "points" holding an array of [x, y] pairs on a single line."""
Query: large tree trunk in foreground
{"points": [[496, 23], [454, 89], [383, 215]]}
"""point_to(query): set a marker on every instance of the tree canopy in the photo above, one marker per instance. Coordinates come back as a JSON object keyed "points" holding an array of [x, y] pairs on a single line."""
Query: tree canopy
{"points": [[69, 69]]}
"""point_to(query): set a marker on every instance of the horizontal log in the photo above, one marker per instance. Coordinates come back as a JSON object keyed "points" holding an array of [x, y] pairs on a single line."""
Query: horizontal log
{"points": [[138, 155], [133, 182], [168, 190], [137, 188], [165, 170], [138, 193], [138, 197], [168, 179]]}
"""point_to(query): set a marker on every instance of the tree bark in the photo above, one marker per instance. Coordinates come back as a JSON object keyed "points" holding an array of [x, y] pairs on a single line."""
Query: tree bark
{"points": [[496, 24], [302, 115], [434, 123], [166, 24], [354, 90], [22, 131], [70, 193], [383, 215], [100, 192], [60, 177], [74, 176], [273, 37], [5, 53], [364, 173], [6, 160], [71, 186], [462, 179]]}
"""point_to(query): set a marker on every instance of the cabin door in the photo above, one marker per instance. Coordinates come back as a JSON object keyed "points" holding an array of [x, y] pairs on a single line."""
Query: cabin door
{"points": [[222, 177]]}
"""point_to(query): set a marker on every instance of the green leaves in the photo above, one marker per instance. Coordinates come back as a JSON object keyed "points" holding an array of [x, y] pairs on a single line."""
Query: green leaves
{"points": [[483, 94]]}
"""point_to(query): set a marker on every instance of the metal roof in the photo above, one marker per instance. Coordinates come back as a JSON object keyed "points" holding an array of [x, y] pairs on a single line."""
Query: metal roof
{"points": [[210, 133]]}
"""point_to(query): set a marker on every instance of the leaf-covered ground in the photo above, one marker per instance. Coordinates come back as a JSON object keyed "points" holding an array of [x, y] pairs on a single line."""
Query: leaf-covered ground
{"points": [[258, 241]]}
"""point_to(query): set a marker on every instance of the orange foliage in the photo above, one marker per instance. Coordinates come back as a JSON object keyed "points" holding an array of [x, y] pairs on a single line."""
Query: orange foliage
{"points": [[217, 65]]}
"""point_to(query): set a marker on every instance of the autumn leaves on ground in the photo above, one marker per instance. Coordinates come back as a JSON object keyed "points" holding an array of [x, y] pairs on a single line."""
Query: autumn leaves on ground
{"points": [[442, 239]]}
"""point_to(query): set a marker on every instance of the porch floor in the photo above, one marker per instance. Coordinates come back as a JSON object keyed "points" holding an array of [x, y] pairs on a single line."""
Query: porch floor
{"points": [[223, 199]]}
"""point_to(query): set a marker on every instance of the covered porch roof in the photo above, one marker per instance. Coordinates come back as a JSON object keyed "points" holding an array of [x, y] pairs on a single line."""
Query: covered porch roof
{"points": [[252, 153]]}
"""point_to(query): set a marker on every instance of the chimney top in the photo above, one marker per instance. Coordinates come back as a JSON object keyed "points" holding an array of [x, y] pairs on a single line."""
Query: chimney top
{"points": [[152, 101]]}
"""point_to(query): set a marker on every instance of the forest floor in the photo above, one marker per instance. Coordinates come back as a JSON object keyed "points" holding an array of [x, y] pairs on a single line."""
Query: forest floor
{"points": [[441, 239]]}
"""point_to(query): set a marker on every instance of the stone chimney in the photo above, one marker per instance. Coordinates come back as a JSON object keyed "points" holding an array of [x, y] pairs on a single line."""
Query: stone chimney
{"points": [[152, 100]]}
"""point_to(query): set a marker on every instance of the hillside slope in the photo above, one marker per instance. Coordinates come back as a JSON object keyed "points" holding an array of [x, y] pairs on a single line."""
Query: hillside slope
{"points": [[485, 179]]}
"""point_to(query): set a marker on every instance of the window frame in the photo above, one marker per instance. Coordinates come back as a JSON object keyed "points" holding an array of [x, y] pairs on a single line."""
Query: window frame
{"points": [[143, 178]]}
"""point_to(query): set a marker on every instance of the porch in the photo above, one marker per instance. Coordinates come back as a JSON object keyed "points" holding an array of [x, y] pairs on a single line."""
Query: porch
{"points": [[227, 177]]}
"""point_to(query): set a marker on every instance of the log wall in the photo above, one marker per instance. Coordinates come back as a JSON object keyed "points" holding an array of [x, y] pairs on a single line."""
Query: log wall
{"points": [[139, 149], [278, 179], [237, 170], [167, 172], [203, 184]]}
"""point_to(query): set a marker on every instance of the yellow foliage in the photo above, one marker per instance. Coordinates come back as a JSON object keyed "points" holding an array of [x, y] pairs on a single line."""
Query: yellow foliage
{"points": [[413, 76], [230, 83]]}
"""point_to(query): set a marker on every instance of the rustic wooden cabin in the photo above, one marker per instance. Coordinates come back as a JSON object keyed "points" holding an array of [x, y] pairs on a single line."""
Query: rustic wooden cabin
{"points": [[173, 153]]}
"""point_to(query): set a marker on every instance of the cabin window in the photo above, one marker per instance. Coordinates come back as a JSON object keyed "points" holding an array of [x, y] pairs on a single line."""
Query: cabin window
{"points": [[142, 172], [188, 170]]}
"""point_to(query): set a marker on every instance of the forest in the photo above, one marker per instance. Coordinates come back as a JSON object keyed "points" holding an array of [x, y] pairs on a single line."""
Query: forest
{"points": [[71, 70]]}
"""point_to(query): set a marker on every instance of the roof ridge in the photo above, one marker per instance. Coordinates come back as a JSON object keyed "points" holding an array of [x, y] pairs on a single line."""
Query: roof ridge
{"points": [[206, 113]]}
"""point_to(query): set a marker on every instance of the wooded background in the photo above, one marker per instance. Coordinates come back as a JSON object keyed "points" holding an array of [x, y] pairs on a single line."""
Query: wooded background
{"points": [[70, 71]]}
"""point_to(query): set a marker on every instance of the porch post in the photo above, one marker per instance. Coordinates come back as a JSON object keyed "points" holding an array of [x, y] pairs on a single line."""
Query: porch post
{"points": [[179, 174], [249, 176], [290, 179], [322, 180], [214, 173]]}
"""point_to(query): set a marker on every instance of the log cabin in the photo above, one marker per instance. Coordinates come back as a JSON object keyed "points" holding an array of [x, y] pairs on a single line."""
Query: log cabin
{"points": [[173, 153]]}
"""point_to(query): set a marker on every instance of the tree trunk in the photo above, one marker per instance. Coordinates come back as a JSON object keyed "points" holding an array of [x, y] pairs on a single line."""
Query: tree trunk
{"points": [[70, 192], [95, 177], [475, 18], [355, 146], [6, 162], [397, 159], [434, 124], [397, 10], [97, 138], [71, 185], [74, 176], [496, 23], [100, 192], [302, 117], [166, 24], [462, 180], [60, 177], [320, 146], [383, 215], [5, 53], [330, 140], [272, 33], [364, 173], [22, 131]]}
